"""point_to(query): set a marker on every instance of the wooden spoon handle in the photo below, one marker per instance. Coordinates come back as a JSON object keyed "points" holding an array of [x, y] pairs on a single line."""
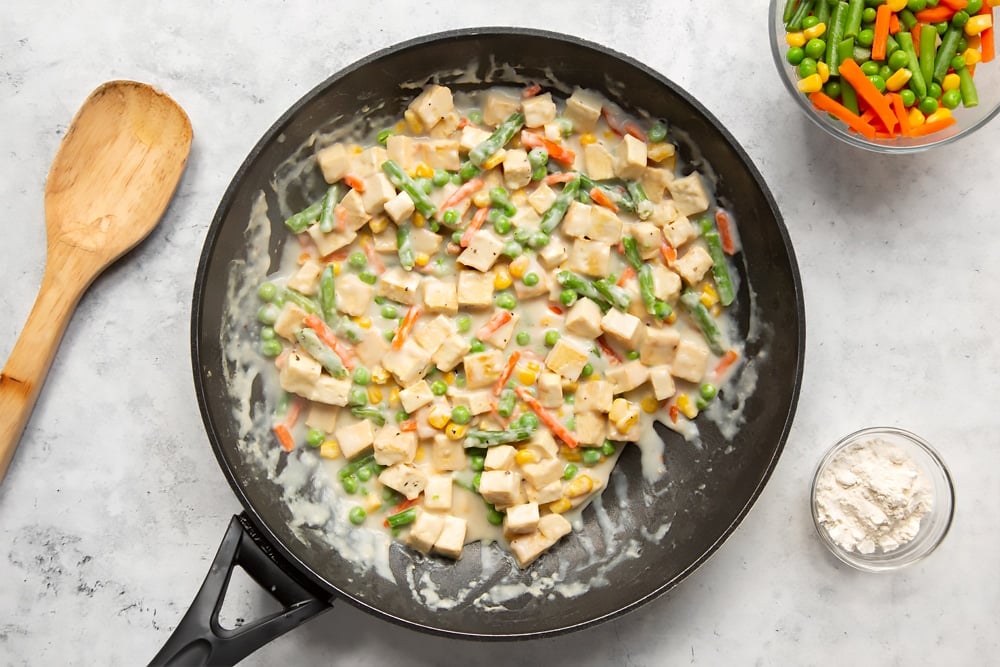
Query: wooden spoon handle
{"points": [[28, 364]]}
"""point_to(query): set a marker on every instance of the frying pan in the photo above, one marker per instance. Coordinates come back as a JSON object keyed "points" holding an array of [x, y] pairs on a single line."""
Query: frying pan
{"points": [[662, 531]]}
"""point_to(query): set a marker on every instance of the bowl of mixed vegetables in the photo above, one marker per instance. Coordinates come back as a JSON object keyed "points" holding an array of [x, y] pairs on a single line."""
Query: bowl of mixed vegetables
{"points": [[892, 76]]}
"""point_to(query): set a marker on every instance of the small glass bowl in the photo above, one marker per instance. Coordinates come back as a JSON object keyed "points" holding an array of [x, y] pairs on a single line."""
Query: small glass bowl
{"points": [[933, 526], [967, 120]]}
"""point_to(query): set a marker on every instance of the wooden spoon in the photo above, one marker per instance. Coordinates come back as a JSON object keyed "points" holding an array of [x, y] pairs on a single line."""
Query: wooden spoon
{"points": [[110, 182]]}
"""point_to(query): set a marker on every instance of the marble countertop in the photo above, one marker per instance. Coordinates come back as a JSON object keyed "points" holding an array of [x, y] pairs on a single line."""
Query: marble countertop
{"points": [[114, 505]]}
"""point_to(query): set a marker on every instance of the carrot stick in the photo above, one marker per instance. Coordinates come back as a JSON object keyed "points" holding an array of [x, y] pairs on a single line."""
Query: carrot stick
{"points": [[622, 127], [894, 25], [824, 102], [560, 177], [726, 362], [669, 253], [725, 225], [865, 89], [284, 437], [354, 182], [508, 370], [556, 151], [501, 318], [674, 413], [602, 199], [401, 507], [882, 16], [627, 275], [900, 109], [464, 191], [325, 334], [935, 14], [372, 256], [931, 128], [957, 5], [408, 425], [406, 326], [477, 221], [531, 91], [546, 418], [608, 350], [986, 39]]}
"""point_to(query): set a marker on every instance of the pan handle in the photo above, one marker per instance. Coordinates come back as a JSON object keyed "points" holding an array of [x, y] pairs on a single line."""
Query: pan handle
{"points": [[199, 639]]}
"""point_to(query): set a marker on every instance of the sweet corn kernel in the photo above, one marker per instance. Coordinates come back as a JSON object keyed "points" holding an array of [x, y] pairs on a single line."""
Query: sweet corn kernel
{"points": [[525, 375], [439, 416], [686, 406], [421, 453], [671, 318], [570, 386], [660, 151], [978, 23], [394, 397], [916, 117], [372, 503], [588, 138], [580, 486], [795, 39], [413, 123], [363, 321], [519, 197], [811, 84], [896, 5], [455, 431], [571, 454], [525, 456], [494, 160], [423, 171], [649, 405], [336, 268], [560, 506], [422, 259], [419, 220], [972, 56], [481, 199], [329, 449], [619, 408], [449, 378], [502, 279], [378, 224], [520, 266], [709, 296], [820, 28], [375, 395], [357, 150], [898, 79], [399, 127], [628, 419], [823, 70], [950, 82], [380, 375], [940, 114], [608, 134]]}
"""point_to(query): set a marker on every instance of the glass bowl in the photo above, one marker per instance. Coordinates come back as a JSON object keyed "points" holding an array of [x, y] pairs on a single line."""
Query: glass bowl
{"points": [[933, 525], [987, 79]]}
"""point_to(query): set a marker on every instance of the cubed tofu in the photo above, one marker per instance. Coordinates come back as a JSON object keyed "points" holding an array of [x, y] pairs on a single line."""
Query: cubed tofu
{"points": [[416, 396], [679, 231], [431, 335], [500, 457], [584, 108], [452, 351], [425, 531], [432, 105], [690, 360], [399, 207], [447, 454], [425, 241], [306, 279], [299, 373], [475, 289], [440, 296], [526, 219], [372, 347], [553, 254], [501, 337], [516, 169], [483, 250], [378, 191], [664, 212], [477, 402], [592, 258], [333, 162], [354, 215], [330, 242], [594, 396], [356, 438], [527, 548], [289, 320], [399, 285], [567, 358], [543, 444], [542, 198], [367, 162], [550, 390], [658, 345], [547, 494], [408, 364], [482, 369], [622, 327], [322, 417], [542, 472], [662, 382], [553, 131], [630, 158], [404, 478], [471, 137], [498, 106], [599, 162], [693, 265], [441, 153], [353, 295], [591, 428], [554, 527], [655, 181], [437, 493], [330, 390], [631, 435], [402, 150], [584, 319], [521, 519], [648, 237], [666, 283], [525, 291], [394, 446], [452, 538], [576, 222], [538, 110], [690, 196], [604, 226], [446, 127], [627, 376], [500, 487], [385, 241]]}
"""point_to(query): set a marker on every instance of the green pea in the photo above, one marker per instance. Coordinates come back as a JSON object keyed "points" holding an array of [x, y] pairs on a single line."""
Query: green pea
{"points": [[315, 437], [367, 277], [870, 68], [402, 416], [476, 346], [475, 116], [523, 338], [934, 90], [390, 312], [529, 420], [657, 132], [885, 71], [477, 462], [700, 403], [512, 249], [461, 415], [973, 7], [477, 479], [506, 301], [365, 473], [538, 173], [809, 22], [916, 5], [941, 27], [866, 37], [450, 217], [608, 448], [440, 178], [632, 355], [815, 48], [538, 240], [928, 105], [358, 398], [565, 126], [357, 515], [530, 279], [832, 88], [538, 157], [267, 292], [567, 297], [661, 309], [795, 55], [868, 15], [569, 472], [590, 456], [463, 323], [807, 67], [362, 376], [708, 391], [494, 516], [959, 19], [878, 82], [898, 60], [383, 136], [389, 335], [502, 225], [587, 371], [357, 260], [271, 348], [952, 99], [958, 63], [522, 235], [551, 336], [569, 399], [439, 388], [571, 423], [267, 333], [268, 314], [908, 96], [350, 484], [468, 171]]}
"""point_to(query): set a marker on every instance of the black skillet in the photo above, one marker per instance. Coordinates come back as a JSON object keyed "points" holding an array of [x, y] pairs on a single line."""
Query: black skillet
{"points": [[706, 492]]}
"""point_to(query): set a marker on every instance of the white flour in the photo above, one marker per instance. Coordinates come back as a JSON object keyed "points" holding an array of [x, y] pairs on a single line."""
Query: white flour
{"points": [[872, 496]]}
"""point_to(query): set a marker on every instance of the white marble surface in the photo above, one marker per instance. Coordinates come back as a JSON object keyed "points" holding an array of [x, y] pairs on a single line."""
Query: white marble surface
{"points": [[114, 504]]}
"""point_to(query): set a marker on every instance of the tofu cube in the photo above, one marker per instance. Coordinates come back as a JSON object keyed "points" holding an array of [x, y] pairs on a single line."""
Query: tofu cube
{"points": [[689, 194], [526, 219], [648, 237], [566, 358], [622, 327], [679, 231], [440, 296], [543, 472], [378, 191], [452, 538], [554, 527], [498, 106], [431, 335], [447, 454], [432, 105], [550, 390], [425, 241], [437, 493], [659, 345], [385, 241], [446, 127], [500, 487], [331, 391], [662, 382], [521, 519], [471, 137], [322, 417], [408, 364], [353, 295], [500, 457], [547, 494], [524, 291], [289, 320], [630, 158], [599, 161], [604, 226], [553, 254], [666, 283], [483, 250], [584, 108], [544, 444], [425, 531], [627, 376], [591, 428], [631, 435], [416, 396], [372, 347], [592, 258], [442, 153], [306, 279], [655, 181], [516, 169], [404, 478], [584, 319], [330, 242], [402, 150], [542, 198], [690, 360], [356, 438], [475, 289], [367, 162], [501, 337], [355, 214], [452, 351], [478, 402], [399, 285], [484, 368], [527, 548], [333, 161], [693, 265], [594, 396], [300, 373], [576, 222], [399, 207], [538, 110], [394, 446]]}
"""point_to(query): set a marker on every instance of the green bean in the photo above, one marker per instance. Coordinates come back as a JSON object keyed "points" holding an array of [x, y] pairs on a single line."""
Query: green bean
{"points": [[504, 133], [311, 343], [908, 19], [646, 287], [505, 406], [949, 45], [613, 294], [402, 181], [299, 222], [835, 38], [917, 82], [795, 23], [371, 414], [407, 516], [326, 219], [720, 268], [582, 286], [706, 323], [643, 207], [490, 438], [404, 246], [300, 300], [327, 294], [789, 10], [500, 198], [632, 252], [555, 213], [891, 46], [852, 26], [966, 86], [613, 191], [926, 55], [823, 12], [354, 466]]}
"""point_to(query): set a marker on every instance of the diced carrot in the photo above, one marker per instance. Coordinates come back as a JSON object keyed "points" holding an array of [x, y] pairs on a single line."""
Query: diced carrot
{"points": [[901, 115], [324, 333], [531, 91], [500, 318], [674, 413], [408, 425], [894, 24], [931, 128], [726, 362], [882, 16], [463, 122], [560, 177], [621, 127], [284, 437], [986, 38], [477, 221], [508, 370], [627, 275], [547, 418], [406, 326], [464, 191], [556, 151], [957, 5], [608, 351], [850, 72], [372, 256], [669, 253], [354, 182], [935, 14], [402, 507], [602, 199], [340, 216], [725, 225], [824, 102], [555, 309]]}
